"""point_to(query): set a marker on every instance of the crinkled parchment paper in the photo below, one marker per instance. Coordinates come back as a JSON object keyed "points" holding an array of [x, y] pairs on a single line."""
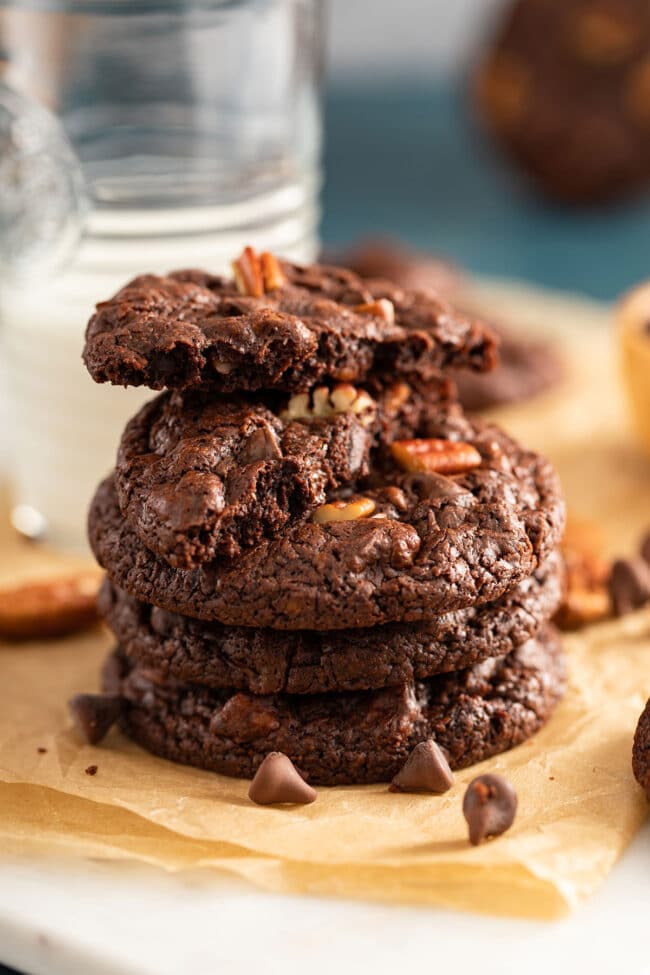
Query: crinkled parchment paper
{"points": [[578, 803]]}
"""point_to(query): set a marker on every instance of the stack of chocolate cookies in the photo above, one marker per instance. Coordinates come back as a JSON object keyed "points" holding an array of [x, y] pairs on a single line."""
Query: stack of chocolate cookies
{"points": [[309, 547]]}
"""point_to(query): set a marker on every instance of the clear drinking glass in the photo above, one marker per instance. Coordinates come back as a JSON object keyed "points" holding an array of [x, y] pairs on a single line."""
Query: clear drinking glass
{"points": [[135, 135]]}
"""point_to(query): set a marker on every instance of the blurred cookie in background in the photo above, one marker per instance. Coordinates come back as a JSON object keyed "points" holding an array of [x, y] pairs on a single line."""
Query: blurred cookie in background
{"points": [[527, 366], [385, 257], [565, 91]]}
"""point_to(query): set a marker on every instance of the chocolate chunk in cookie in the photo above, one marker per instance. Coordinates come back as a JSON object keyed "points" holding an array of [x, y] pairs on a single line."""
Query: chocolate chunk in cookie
{"points": [[340, 739], [289, 330], [267, 661]]}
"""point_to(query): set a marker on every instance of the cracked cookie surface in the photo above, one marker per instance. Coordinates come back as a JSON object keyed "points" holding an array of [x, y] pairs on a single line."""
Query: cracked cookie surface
{"points": [[349, 738], [265, 661], [202, 476], [641, 751]]}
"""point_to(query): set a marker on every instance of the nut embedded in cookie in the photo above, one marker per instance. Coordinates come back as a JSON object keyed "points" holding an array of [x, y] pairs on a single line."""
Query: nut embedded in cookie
{"points": [[277, 781], [343, 511], [435, 456]]}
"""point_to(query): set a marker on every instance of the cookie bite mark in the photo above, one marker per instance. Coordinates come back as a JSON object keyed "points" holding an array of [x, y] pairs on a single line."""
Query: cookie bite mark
{"points": [[276, 325]]}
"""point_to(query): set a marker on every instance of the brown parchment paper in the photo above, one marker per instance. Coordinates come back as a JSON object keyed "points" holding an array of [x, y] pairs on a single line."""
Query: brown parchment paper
{"points": [[579, 804]]}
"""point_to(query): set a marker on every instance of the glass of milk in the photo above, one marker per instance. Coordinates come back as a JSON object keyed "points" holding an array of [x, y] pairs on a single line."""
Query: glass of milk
{"points": [[135, 136]]}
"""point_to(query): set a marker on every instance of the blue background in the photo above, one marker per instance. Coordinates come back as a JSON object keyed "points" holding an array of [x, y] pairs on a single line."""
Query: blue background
{"points": [[407, 160]]}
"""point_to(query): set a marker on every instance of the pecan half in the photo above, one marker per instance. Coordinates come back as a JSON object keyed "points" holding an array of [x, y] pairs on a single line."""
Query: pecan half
{"points": [[435, 456]]}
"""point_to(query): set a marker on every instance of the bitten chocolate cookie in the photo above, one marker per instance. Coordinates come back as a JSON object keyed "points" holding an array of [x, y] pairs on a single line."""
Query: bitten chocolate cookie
{"points": [[641, 751], [565, 90], [526, 367], [412, 545], [344, 739], [313, 662], [276, 326], [203, 476]]}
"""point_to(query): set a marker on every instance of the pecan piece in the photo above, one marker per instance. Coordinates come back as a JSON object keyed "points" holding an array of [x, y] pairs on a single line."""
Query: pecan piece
{"points": [[272, 273], [49, 608], [435, 456], [343, 511], [247, 271], [381, 308], [586, 599]]}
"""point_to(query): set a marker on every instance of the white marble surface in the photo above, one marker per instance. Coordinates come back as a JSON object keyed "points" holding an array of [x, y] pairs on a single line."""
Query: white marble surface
{"points": [[83, 918]]}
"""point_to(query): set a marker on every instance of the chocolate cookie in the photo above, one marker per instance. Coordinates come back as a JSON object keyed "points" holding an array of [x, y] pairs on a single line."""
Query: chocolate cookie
{"points": [[412, 545], [313, 662], [526, 367], [288, 328], [201, 476], [641, 751], [350, 738], [565, 90]]}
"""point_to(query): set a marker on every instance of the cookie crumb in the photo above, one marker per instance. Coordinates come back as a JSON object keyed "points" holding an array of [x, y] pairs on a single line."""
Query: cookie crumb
{"points": [[91, 770]]}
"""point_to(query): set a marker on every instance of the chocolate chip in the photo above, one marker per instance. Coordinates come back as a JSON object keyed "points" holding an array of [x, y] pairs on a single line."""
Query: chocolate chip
{"points": [[645, 548], [277, 780], [91, 770], [489, 806], [41, 750], [425, 770], [94, 715], [629, 585]]}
